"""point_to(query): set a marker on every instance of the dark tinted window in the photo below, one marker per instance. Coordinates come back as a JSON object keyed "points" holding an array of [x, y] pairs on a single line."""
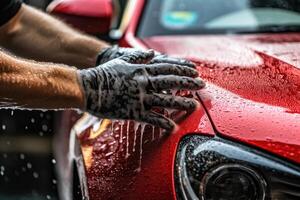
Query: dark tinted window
{"points": [[167, 17]]}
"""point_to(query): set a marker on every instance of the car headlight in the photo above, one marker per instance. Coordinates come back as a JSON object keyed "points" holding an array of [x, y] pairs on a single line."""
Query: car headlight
{"points": [[218, 169]]}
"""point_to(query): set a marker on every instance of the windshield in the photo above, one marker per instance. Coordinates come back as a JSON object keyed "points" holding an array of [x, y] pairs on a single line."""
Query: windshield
{"points": [[168, 17]]}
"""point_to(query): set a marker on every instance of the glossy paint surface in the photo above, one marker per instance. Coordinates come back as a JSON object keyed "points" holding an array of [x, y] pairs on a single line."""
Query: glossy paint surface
{"points": [[92, 16], [252, 96], [253, 90], [83, 8], [126, 161]]}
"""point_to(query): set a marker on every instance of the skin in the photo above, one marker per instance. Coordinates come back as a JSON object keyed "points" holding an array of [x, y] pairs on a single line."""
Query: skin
{"points": [[35, 35], [115, 89], [34, 85], [28, 84]]}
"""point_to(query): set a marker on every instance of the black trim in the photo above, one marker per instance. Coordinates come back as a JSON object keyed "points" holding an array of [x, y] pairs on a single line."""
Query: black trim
{"points": [[198, 155]]}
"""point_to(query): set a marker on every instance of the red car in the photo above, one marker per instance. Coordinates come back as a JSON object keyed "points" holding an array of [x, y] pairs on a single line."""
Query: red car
{"points": [[244, 141]]}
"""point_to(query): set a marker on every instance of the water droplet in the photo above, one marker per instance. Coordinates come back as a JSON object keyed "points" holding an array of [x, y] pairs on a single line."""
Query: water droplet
{"points": [[22, 156], [268, 139], [32, 120], [48, 196], [112, 143], [108, 154], [3, 127], [29, 165], [44, 127], [53, 161], [35, 175]]}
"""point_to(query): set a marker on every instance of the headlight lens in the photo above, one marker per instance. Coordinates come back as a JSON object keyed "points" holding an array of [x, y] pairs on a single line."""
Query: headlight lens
{"points": [[217, 169], [232, 181]]}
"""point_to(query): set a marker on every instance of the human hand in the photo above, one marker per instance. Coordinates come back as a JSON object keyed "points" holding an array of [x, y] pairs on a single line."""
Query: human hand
{"points": [[128, 88], [115, 52]]}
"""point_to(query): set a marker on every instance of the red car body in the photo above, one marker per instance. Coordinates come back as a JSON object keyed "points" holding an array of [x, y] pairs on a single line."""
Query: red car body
{"points": [[252, 97]]}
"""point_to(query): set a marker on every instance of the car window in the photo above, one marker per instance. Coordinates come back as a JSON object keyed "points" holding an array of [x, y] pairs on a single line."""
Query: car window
{"points": [[217, 16]]}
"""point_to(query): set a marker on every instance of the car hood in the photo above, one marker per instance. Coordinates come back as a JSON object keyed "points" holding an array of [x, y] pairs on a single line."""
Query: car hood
{"points": [[253, 86]]}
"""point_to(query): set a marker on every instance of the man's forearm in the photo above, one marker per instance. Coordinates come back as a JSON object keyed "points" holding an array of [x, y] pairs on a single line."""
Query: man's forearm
{"points": [[36, 85], [36, 35]]}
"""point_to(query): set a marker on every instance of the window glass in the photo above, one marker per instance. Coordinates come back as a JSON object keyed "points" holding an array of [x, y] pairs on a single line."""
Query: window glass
{"points": [[218, 16]]}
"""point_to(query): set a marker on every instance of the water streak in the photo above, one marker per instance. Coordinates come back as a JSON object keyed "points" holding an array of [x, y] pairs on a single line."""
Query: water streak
{"points": [[153, 133], [136, 127], [127, 139], [160, 132], [121, 131], [141, 148]]}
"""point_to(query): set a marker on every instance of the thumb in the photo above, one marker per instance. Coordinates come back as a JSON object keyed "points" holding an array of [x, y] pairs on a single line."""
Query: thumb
{"points": [[138, 57]]}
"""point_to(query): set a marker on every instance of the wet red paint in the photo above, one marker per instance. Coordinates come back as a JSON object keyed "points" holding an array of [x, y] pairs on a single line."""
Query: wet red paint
{"points": [[84, 15], [253, 89], [111, 175], [252, 96], [82, 8]]}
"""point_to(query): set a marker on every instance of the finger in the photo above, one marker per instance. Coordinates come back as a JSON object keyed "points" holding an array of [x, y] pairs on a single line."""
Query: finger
{"points": [[169, 101], [172, 60], [138, 57], [175, 82], [159, 120], [166, 69]]}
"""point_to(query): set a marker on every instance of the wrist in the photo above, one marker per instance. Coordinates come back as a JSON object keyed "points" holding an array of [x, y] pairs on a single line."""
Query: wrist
{"points": [[80, 97], [105, 54], [66, 87]]}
